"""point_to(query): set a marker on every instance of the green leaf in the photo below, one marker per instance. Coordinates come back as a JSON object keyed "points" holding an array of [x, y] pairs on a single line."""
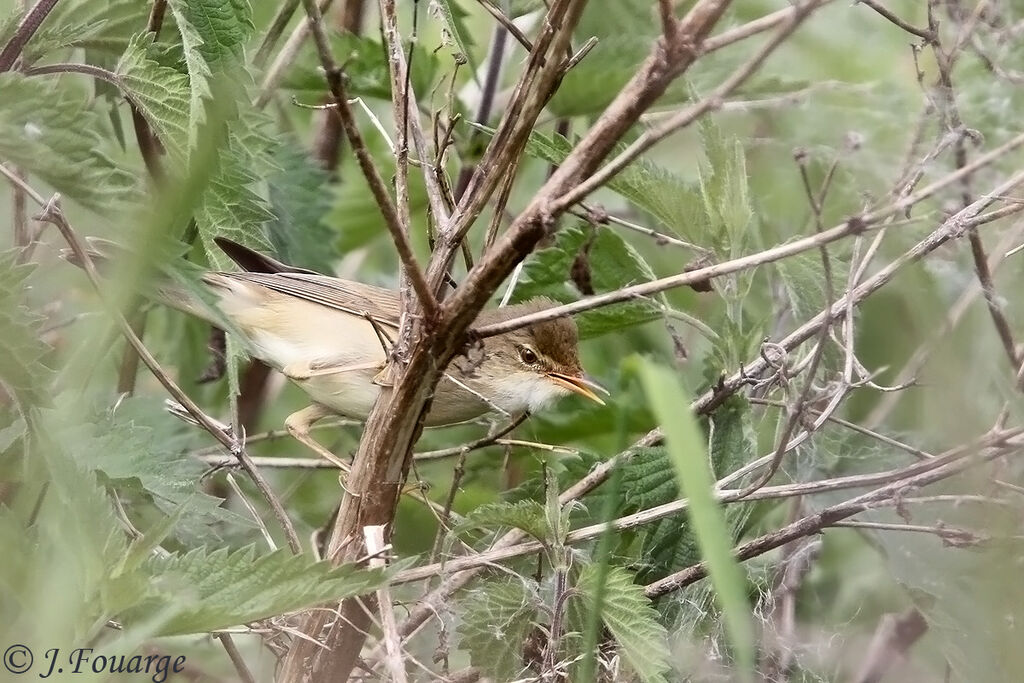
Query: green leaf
{"points": [[231, 207], [299, 200], [686, 447], [723, 185], [675, 203], [526, 515], [455, 31], [161, 93], [628, 615], [23, 376], [497, 618], [212, 590], [213, 34], [598, 261], [139, 449], [97, 26], [47, 129]]}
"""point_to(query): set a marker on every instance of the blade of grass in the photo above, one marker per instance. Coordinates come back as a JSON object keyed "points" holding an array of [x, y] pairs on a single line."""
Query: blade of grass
{"points": [[687, 449]]}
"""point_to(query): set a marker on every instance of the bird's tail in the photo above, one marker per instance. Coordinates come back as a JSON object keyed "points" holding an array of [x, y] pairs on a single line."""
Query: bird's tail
{"points": [[181, 289]]}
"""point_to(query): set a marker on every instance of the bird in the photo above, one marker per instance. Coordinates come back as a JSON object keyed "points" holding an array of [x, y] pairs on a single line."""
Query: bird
{"points": [[331, 337]]}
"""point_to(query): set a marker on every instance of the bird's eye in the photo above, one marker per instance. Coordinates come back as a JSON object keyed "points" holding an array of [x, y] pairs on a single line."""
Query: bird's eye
{"points": [[527, 355]]}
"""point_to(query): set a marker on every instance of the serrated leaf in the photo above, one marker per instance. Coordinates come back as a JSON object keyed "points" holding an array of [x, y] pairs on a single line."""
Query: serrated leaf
{"points": [[23, 376], [497, 617], [455, 31], [526, 515], [213, 34], [675, 203], [723, 185], [605, 260], [299, 200], [161, 93], [139, 449], [212, 590], [688, 452], [628, 615], [105, 27], [230, 207], [47, 129]]}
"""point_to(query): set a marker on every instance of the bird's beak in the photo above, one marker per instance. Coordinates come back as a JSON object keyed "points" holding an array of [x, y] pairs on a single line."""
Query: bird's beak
{"points": [[579, 385]]}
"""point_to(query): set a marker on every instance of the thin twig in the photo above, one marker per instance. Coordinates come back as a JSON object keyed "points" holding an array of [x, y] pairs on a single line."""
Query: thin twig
{"points": [[387, 207], [27, 28], [52, 213], [241, 667]]}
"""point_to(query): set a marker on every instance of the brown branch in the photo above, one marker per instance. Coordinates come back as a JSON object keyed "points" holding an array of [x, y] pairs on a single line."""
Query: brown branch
{"points": [[811, 524], [929, 36], [725, 496], [380, 193], [895, 635], [709, 400], [27, 28], [236, 658], [507, 24], [852, 225], [274, 31], [276, 71]]}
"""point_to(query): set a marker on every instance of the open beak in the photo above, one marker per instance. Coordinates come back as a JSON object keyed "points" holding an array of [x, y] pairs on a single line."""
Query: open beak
{"points": [[579, 385]]}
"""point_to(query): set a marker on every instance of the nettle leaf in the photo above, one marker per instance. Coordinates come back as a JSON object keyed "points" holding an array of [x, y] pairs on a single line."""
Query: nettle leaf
{"points": [[723, 186], [106, 27], [213, 34], [526, 515], [140, 451], [299, 201], [161, 93], [205, 590], [454, 34], [588, 261], [79, 518], [664, 194], [230, 206], [628, 615], [23, 376], [47, 129], [497, 618]]}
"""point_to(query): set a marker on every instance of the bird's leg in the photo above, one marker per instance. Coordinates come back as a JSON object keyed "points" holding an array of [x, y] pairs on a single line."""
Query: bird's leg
{"points": [[298, 424]]}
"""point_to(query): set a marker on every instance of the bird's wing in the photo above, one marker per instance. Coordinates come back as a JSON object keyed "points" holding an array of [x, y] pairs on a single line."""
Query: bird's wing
{"points": [[331, 292]]}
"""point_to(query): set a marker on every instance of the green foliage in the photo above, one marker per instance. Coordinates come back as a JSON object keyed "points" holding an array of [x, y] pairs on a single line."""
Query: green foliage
{"points": [[139, 450], [455, 33], [98, 27], [527, 515], [585, 260], [204, 591], [685, 445], [60, 142], [498, 617], [161, 94], [299, 202], [675, 203], [628, 615], [23, 374]]}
